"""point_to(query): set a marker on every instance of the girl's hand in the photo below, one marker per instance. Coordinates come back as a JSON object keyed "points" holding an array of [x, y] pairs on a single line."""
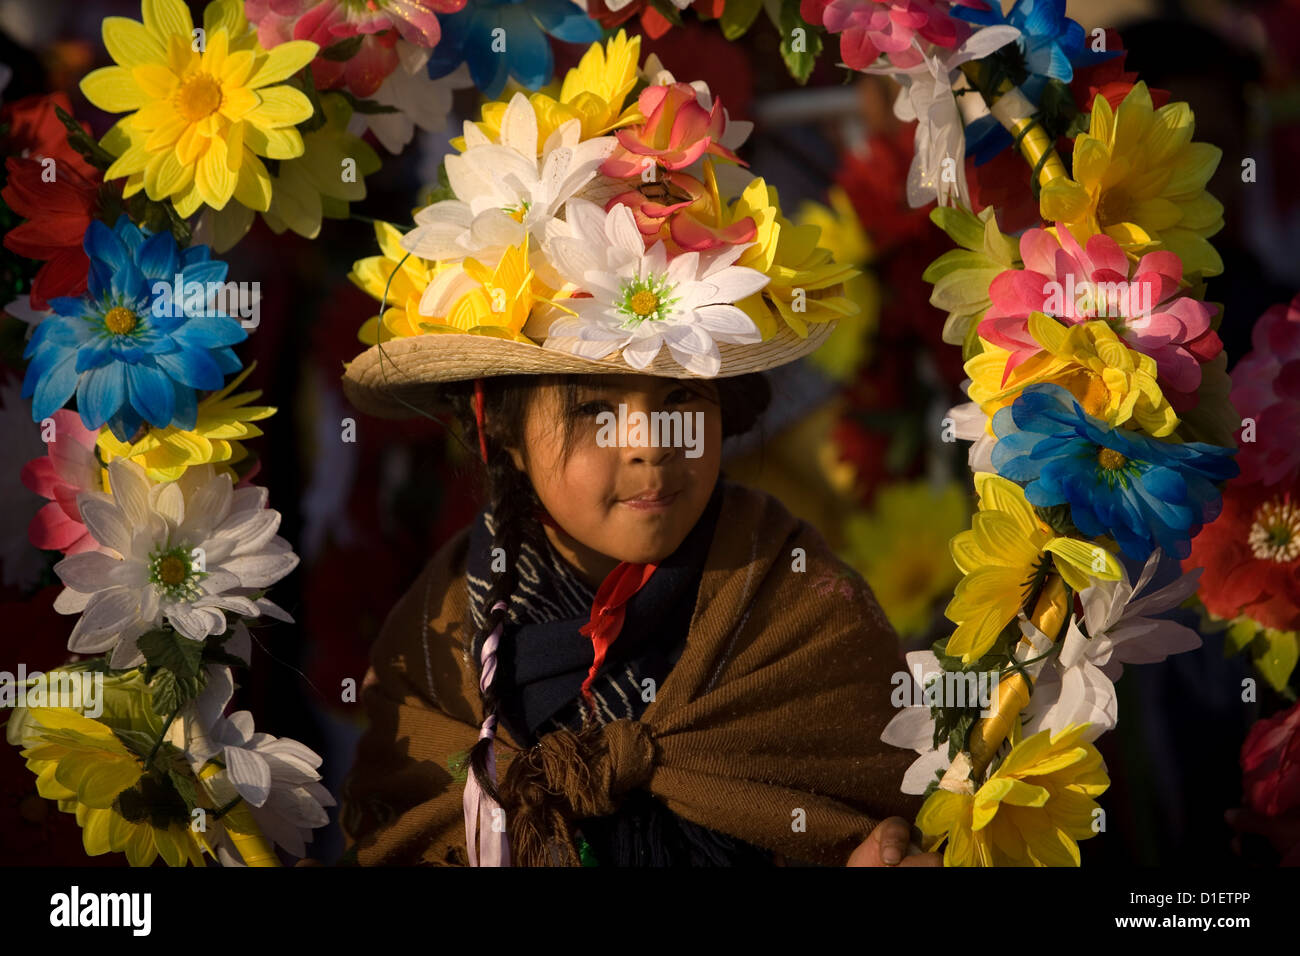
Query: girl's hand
{"points": [[889, 844]]}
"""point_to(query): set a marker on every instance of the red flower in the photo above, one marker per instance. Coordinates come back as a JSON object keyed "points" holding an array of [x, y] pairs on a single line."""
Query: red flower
{"points": [[1266, 388], [58, 214], [1251, 556], [1270, 763], [1109, 79], [35, 132]]}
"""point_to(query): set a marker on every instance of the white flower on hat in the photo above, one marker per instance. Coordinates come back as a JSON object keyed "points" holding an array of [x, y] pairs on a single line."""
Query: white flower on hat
{"points": [[641, 300], [505, 191], [182, 551]]}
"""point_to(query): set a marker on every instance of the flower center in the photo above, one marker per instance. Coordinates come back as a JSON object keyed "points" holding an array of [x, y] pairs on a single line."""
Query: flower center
{"points": [[173, 571], [1113, 207], [517, 213], [646, 299], [1111, 459], [198, 97], [1275, 535], [644, 303], [120, 320]]}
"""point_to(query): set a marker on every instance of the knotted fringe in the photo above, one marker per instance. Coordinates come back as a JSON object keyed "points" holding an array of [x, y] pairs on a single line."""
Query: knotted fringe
{"points": [[568, 777]]}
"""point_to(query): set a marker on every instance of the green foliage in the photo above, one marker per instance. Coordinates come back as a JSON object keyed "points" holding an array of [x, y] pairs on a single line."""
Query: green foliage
{"points": [[800, 63]]}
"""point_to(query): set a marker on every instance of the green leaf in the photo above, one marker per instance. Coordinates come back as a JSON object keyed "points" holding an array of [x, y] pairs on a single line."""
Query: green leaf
{"points": [[800, 43], [164, 649], [94, 154], [171, 692], [136, 741], [738, 16], [343, 50], [185, 786], [365, 106], [1275, 654], [962, 227]]}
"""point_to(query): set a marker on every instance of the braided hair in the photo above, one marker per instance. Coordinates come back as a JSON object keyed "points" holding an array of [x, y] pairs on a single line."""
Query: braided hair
{"points": [[514, 503]]}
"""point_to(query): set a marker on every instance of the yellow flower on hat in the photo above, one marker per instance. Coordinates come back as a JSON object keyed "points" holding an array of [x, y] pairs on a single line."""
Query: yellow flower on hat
{"points": [[1000, 556], [469, 297], [396, 278], [1140, 179], [1111, 381], [805, 282], [593, 92], [1032, 811], [202, 107], [224, 421]]}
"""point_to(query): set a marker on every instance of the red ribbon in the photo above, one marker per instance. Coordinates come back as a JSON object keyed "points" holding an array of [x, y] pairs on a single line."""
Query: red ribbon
{"points": [[478, 416]]}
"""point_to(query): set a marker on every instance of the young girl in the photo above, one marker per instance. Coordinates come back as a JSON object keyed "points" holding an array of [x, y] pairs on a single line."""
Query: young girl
{"points": [[627, 659]]}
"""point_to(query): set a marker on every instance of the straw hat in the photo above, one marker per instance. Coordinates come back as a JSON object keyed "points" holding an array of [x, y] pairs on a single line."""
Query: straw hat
{"points": [[642, 249]]}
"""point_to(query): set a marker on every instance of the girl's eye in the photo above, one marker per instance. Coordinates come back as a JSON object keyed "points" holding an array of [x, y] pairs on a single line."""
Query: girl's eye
{"points": [[590, 408]]}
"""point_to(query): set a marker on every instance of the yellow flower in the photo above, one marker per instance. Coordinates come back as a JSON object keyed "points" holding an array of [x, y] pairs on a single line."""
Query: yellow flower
{"points": [[1140, 179], [203, 106], [84, 766], [841, 229], [899, 548], [1032, 811], [223, 421], [1000, 555], [1111, 381], [469, 297], [805, 283], [400, 286], [592, 92]]}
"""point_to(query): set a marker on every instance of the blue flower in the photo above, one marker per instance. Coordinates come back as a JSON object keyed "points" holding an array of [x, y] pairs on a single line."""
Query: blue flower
{"points": [[1141, 491], [1052, 44], [520, 50], [125, 348]]}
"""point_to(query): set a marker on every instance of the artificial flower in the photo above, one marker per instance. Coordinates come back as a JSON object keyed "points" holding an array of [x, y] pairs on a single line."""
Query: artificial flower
{"points": [[1139, 178], [912, 728], [805, 283], [199, 119], [128, 351], [680, 127], [83, 765], [470, 297], [1266, 390], [926, 97], [900, 547], [397, 279], [504, 39], [58, 212], [1113, 382], [183, 552], [1108, 78], [223, 422], [593, 92], [640, 299], [611, 13], [1143, 492], [505, 191], [870, 29], [1270, 763], [962, 277], [419, 100], [1251, 556], [33, 130], [1032, 811], [1144, 303], [69, 468], [380, 25], [1000, 555], [1077, 684]]}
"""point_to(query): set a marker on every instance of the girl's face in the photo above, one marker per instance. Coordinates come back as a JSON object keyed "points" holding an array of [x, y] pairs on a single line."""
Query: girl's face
{"points": [[591, 494]]}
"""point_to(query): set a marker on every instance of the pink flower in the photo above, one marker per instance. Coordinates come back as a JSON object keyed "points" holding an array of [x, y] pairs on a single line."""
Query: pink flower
{"points": [[1145, 305], [327, 22], [681, 211], [871, 28], [1266, 388], [69, 468], [678, 130], [1270, 763]]}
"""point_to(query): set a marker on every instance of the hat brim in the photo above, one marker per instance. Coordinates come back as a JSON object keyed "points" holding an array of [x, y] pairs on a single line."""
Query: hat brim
{"points": [[403, 376]]}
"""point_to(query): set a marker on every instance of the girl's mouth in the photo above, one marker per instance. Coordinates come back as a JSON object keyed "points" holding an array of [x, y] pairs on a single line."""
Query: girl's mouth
{"points": [[658, 503]]}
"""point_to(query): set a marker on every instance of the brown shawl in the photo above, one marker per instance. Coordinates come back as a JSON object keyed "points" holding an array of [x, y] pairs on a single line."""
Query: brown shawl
{"points": [[767, 729]]}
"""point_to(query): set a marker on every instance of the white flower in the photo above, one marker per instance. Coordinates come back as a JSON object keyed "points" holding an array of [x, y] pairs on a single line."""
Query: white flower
{"points": [[181, 551], [277, 777], [938, 168], [969, 423], [1080, 683], [505, 191], [641, 300], [912, 728], [420, 100]]}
